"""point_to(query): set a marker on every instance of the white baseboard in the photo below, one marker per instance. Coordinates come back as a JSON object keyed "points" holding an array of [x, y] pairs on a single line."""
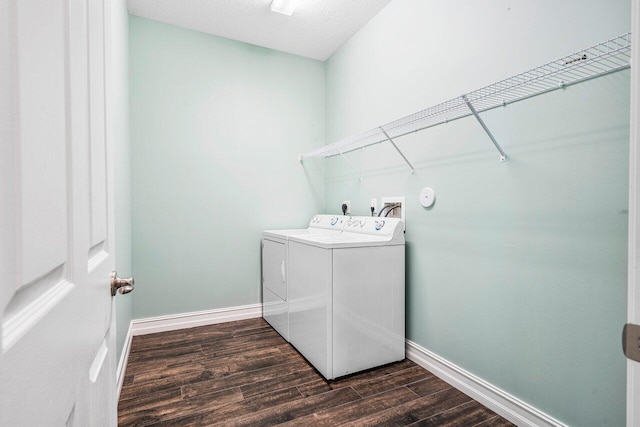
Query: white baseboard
{"points": [[124, 358], [173, 322], [504, 404]]}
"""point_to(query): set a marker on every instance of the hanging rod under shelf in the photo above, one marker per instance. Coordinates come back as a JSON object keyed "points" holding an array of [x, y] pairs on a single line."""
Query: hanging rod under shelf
{"points": [[604, 58]]}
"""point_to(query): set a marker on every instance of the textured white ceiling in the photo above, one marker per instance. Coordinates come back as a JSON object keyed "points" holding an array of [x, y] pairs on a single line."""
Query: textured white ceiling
{"points": [[316, 29]]}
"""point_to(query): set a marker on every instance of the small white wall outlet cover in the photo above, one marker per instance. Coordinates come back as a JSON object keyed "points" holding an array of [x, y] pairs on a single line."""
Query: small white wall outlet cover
{"points": [[427, 197]]}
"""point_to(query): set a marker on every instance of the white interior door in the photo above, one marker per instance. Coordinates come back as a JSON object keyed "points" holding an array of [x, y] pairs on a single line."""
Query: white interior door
{"points": [[633, 311], [56, 225]]}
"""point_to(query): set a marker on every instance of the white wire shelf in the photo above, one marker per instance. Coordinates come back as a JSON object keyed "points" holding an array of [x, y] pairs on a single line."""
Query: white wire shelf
{"points": [[604, 58]]}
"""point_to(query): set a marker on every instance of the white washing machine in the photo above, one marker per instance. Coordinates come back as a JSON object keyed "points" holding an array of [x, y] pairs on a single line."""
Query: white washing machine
{"points": [[347, 296], [275, 308]]}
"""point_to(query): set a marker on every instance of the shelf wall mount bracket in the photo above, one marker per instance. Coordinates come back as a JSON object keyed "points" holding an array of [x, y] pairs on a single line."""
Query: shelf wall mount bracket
{"points": [[503, 156], [347, 161], [413, 170]]}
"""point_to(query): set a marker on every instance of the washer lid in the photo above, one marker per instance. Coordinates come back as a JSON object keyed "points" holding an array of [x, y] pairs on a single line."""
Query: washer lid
{"points": [[344, 240]]}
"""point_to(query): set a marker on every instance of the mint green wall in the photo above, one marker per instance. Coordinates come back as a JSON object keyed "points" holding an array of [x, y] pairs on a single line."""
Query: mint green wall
{"points": [[518, 272], [122, 162], [216, 128]]}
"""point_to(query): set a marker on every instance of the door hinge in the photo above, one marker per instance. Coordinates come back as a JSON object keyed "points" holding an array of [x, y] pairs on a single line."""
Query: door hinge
{"points": [[631, 341]]}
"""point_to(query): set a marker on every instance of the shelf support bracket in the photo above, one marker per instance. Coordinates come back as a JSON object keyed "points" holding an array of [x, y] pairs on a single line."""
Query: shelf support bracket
{"points": [[503, 156], [347, 161], [413, 171]]}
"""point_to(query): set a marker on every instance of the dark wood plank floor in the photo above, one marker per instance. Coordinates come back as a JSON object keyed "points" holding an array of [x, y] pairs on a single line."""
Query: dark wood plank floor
{"points": [[243, 373]]}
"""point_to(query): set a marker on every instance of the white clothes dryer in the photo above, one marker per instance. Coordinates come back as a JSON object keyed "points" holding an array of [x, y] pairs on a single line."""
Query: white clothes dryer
{"points": [[275, 308]]}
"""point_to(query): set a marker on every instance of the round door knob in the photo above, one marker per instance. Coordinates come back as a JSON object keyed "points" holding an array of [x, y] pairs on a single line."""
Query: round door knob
{"points": [[124, 286]]}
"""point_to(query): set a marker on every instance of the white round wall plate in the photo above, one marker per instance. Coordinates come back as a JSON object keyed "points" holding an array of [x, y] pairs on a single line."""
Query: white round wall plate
{"points": [[427, 197]]}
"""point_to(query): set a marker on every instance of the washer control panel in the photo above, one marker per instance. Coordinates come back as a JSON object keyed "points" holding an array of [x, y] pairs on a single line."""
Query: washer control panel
{"points": [[373, 225], [357, 224]]}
